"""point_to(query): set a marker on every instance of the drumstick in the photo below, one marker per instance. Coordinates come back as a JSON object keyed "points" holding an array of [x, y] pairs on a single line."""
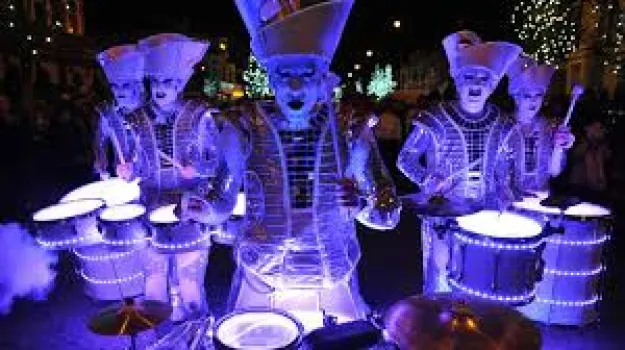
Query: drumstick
{"points": [[576, 92]]}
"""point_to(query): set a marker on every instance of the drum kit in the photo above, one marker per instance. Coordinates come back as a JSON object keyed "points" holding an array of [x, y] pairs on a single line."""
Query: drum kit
{"points": [[106, 228], [543, 255]]}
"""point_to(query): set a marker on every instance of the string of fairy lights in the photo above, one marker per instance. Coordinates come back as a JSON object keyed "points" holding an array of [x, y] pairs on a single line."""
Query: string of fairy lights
{"points": [[547, 29], [20, 21], [552, 29]]}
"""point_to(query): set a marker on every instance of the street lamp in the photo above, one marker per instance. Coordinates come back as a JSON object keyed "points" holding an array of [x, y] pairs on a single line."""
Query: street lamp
{"points": [[369, 53], [356, 66], [397, 23], [350, 74]]}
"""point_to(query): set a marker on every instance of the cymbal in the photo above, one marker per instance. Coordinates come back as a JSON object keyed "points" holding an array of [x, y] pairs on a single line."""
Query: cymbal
{"points": [[440, 321], [439, 206], [130, 318]]}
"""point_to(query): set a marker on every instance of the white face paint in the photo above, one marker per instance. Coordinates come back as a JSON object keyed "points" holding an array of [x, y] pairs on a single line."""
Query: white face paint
{"points": [[127, 94], [528, 102], [165, 91], [298, 84], [474, 86]]}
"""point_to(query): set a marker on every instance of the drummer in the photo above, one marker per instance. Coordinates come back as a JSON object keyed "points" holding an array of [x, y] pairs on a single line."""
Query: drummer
{"points": [[463, 141], [535, 139], [124, 68], [180, 156]]}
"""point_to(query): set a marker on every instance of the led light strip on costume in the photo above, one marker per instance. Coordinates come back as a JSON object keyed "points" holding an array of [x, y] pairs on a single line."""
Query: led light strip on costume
{"points": [[113, 281], [594, 272], [180, 246], [493, 245], [73, 241], [597, 241], [578, 303], [126, 241], [493, 297], [105, 257]]}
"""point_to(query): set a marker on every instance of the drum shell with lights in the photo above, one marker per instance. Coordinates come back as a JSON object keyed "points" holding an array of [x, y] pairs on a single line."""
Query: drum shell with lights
{"points": [[123, 226], [67, 225], [228, 232], [111, 274], [500, 269], [274, 329], [171, 235], [569, 291]]}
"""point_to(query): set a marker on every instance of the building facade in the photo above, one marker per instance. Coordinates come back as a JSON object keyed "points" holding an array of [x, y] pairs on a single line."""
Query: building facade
{"points": [[421, 73]]}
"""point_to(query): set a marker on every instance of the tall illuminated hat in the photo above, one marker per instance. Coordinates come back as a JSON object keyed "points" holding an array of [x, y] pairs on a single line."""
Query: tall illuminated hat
{"points": [[294, 27], [171, 55], [122, 63], [466, 50], [456, 41], [525, 72]]}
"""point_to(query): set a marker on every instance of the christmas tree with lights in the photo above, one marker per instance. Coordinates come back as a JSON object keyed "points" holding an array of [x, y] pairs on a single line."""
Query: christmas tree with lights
{"points": [[547, 28], [256, 80], [382, 83]]}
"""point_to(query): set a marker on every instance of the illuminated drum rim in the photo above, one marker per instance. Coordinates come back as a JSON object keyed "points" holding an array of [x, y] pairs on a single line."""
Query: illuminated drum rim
{"points": [[122, 212], [233, 327], [164, 215], [533, 204], [113, 192], [67, 210], [239, 208], [588, 210], [491, 223]]}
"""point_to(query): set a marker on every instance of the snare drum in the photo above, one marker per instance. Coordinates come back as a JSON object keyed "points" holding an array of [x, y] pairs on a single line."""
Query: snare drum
{"points": [[551, 217], [123, 225], [110, 275], [67, 225], [569, 290], [258, 329], [496, 256], [114, 191], [171, 235]]}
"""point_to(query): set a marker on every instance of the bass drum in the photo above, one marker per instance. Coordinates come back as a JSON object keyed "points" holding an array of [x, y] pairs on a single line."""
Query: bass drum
{"points": [[258, 329], [111, 274]]}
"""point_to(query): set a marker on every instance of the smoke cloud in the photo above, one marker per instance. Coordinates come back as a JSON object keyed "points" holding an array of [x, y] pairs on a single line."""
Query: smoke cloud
{"points": [[26, 269]]}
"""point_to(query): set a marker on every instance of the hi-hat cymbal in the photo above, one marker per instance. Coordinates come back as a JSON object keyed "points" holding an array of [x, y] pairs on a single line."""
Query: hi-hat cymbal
{"points": [[440, 321], [130, 318], [439, 206]]}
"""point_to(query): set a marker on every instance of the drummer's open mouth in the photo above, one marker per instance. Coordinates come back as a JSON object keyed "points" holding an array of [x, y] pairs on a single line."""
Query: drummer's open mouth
{"points": [[160, 95], [296, 104], [475, 92]]}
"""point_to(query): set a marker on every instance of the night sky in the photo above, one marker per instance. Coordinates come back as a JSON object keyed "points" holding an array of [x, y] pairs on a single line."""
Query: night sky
{"points": [[369, 27]]}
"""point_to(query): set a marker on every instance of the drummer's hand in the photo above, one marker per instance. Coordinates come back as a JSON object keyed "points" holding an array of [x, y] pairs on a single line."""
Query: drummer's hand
{"points": [[188, 172], [563, 138], [435, 184], [348, 193], [124, 170]]}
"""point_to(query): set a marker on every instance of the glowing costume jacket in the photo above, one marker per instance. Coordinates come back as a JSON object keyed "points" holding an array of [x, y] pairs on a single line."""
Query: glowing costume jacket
{"points": [[297, 236], [532, 148], [112, 127], [190, 137], [475, 154]]}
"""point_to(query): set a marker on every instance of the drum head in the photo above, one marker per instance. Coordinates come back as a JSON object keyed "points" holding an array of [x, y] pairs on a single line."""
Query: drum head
{"points": [[113, 192], [164, 215], [122, 212], [587, 210], [533, 204], [258, 330], [239, 208], [67, 210], [494, 224]]}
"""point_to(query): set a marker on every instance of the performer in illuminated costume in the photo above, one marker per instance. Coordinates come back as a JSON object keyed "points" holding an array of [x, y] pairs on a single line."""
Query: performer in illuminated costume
{"points": [[184, 155], [123, 67], [535, 139], [464, 142], [300, 250]]}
